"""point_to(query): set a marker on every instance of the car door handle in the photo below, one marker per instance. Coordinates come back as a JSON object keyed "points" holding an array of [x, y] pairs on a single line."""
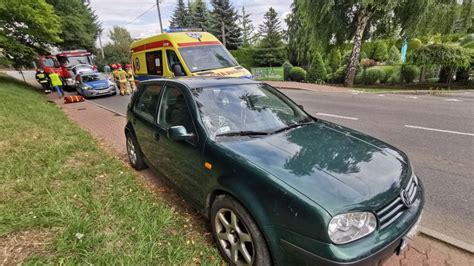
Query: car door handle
{"points": [[156, 136]]}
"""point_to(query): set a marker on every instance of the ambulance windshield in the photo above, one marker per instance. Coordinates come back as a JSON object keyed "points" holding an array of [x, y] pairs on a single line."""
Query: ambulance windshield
{"points": [[202, 58]]}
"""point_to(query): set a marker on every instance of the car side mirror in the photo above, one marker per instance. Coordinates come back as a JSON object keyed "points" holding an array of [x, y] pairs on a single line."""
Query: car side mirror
{"points": [[179, 133]]}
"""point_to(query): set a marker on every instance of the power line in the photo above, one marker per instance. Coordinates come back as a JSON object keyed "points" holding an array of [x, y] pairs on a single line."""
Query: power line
{"points": [[141, 15]]}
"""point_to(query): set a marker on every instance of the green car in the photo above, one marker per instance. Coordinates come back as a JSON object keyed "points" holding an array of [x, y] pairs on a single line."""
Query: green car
{"points": [[278, 185]]}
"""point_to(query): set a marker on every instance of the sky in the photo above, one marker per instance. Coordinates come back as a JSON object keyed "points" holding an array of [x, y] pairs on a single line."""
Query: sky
{"points": [[122, 12]]}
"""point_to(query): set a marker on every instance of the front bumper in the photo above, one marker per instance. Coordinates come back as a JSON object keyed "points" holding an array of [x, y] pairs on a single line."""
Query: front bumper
{"points": [[97, 93], [371, 250]]}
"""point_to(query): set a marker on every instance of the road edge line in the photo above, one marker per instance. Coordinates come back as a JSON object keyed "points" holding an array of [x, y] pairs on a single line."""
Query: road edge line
{"points": [[459, 244], [106, 108]]}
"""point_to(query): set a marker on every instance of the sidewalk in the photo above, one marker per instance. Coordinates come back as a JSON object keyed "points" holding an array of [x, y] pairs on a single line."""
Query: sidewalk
{"points": [[306, 86], [108, 128]]}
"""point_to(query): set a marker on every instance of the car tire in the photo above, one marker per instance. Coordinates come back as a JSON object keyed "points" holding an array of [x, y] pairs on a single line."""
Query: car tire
{"points": [[135, 156], [238, 237]]}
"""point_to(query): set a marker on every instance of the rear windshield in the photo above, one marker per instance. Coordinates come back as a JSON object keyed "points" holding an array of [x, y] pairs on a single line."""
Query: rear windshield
{"points": [[201, 58], [92, 77]]}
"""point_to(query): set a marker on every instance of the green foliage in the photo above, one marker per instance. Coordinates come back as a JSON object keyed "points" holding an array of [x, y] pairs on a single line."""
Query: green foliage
{"points": [[409, 73], [270, 30], [26, 29], [375, 50], [335, 59], [442, 55], [287, 66], [199, 15], [118, 51], [181, 17], [394, 56], [270, 56], [225, 15], [297, 74], [79, 24], [371, 76], [414, 44], [300, 42], [248, 36], [317, 71], [246, 57], [468, 41]]}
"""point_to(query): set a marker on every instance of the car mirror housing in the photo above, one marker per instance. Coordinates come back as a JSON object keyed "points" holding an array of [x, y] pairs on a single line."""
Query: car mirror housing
{"points": [[179, 133]]}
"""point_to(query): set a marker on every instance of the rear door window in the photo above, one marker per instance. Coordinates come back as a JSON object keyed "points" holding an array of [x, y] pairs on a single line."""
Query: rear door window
{"points": [[154, 63], [147, 102]]}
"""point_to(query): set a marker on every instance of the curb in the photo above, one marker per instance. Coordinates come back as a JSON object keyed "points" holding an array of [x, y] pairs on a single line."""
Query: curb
{"points": [[447, 239], [106, 108]]}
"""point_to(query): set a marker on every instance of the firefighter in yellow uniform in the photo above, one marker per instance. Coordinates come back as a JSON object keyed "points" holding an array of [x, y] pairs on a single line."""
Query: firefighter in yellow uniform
{"points": [[131, 79], [122, 79], [115, 73]]}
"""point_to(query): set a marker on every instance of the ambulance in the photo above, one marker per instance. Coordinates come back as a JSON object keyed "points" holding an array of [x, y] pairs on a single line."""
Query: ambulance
{"points": [[183, 53]]}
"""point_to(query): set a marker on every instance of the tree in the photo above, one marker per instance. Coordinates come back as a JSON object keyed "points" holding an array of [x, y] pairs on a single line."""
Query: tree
{"points": [[270, 31], [467, 14], [199, 15], [349, 20], [317, 72], [245, 22], [335, 59], [26, 29], [118, 50], [180, 17], [224, 24], [394, 55], [80, 26], [300, 42]]}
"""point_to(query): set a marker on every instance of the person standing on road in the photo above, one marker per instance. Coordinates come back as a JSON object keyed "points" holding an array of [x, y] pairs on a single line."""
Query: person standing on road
{"points": [[130, 78], [122, 76], [57, 84], [42, 79], [115, 74]]}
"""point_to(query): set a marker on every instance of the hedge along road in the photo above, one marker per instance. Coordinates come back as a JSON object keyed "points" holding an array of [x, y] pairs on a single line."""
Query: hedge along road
{"points": [[435, 132]]}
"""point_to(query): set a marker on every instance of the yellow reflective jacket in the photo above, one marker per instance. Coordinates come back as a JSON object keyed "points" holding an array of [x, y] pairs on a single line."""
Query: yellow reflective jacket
{"points": [[130, 75], [55, 79], [122, 76]]}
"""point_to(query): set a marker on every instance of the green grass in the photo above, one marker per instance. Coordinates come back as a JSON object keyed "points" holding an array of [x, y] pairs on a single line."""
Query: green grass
{"points": [[56, 178]]}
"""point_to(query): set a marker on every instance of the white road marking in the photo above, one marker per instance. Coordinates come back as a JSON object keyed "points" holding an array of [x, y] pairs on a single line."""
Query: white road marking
{"points": [[412, 97], [441, 130], [381, 95], [452, 100], [338, 116]]}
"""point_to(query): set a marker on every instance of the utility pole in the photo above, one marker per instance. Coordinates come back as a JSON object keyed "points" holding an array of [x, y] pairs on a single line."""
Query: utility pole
{"points": [[223, 34], [100, 44], [159, 14]]}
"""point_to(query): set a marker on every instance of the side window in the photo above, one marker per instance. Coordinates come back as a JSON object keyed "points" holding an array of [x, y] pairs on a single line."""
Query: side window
{"points": [[154, 63], [173, 62], [147, 102], [174, 110]]}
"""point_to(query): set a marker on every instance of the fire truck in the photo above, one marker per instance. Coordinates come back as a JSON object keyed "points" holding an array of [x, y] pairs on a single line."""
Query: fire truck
{"points": [[68, 64]]}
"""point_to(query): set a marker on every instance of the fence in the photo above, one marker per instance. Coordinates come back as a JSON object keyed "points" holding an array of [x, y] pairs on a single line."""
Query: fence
{"points": [[268, 73]]}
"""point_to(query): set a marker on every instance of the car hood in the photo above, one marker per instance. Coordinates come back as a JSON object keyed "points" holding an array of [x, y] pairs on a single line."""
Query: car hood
{"points": [[336, 167], [98, 84]]}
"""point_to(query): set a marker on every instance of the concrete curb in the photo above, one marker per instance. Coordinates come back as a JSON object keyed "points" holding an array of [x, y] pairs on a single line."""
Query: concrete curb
{"points": [[447, 239], [106, 108]]}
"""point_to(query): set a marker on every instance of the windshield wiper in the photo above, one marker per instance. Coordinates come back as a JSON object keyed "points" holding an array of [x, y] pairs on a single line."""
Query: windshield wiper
{"points": [[243, 133], [295, 125]]}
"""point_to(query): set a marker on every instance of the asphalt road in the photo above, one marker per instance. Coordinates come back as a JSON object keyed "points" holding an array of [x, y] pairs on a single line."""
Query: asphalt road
{"points": [[436, 132]]}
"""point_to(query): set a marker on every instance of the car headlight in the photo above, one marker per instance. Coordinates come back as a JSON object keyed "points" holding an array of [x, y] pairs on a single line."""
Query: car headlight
{"points": [[348, 227], [87, 88]]}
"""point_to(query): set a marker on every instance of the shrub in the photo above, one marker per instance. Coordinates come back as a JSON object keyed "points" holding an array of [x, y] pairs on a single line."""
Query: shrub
{"points": [[335, 59], [380, 53], [372, 75], [366, 63], [339, 75], [394, 55], [388, 70], [287, 66], [297, 74], [245, 57], [317, 71], [414, 44], [408, 73]]}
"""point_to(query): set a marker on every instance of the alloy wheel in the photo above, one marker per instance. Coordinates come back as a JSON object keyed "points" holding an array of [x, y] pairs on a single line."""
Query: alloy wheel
{"points": [[234, 237], [132, 153]]}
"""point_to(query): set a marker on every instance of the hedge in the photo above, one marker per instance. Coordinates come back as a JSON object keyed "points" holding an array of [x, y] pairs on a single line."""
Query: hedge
{"points": [[297, 74]]}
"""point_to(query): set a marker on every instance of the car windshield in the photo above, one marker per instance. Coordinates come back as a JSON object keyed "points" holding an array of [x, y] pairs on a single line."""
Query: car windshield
{"points": [[75, 60], [92, 77], [249, 108], [201, 58]]}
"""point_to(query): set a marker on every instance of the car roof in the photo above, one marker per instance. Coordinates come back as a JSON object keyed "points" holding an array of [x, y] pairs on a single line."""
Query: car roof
{"points": [[88, 73], [202, 82]]}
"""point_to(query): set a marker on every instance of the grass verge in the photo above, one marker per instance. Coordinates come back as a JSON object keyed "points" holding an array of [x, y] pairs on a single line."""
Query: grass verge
{"points": [[76, 203]]}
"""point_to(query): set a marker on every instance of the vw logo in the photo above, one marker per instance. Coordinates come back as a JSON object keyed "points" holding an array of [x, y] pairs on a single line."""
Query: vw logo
{"points": [[405, 198]]}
